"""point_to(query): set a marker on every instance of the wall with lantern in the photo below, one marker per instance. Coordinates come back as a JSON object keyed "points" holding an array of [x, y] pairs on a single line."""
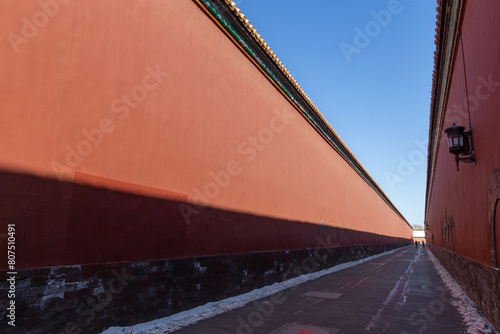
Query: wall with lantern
{"points": [[462, 210], [458, 206]]}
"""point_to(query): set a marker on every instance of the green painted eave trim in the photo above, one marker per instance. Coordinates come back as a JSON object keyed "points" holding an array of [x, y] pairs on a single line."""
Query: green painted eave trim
{"points": [[451, 15], [270, 68]]}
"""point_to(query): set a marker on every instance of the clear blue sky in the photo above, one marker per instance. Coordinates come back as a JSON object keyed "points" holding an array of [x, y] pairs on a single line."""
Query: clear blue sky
{"points": [[367, 66]]}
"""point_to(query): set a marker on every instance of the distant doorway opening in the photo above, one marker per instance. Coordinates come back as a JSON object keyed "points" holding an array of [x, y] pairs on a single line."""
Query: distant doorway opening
{"points": [[494, 216], [497, 231]]}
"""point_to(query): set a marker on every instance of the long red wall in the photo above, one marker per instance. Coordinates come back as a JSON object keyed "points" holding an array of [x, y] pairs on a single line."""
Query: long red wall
{"points": [[458, 207], [151, 99]]}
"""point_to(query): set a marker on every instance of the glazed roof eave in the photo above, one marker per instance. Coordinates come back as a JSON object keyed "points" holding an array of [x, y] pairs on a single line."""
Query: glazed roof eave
{"points": [[347, 154]]}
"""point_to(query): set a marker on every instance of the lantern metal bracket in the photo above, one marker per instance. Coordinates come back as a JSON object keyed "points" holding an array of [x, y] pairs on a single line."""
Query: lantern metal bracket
{"points": [[470, 158]]}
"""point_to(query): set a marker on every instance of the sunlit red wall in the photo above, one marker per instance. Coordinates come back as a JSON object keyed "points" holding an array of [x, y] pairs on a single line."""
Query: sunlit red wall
{"points": [[461, 198], [154, 101]]}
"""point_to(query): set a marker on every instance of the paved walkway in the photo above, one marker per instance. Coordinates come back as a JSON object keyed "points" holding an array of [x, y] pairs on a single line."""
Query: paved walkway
{"points": [[396, 293]]}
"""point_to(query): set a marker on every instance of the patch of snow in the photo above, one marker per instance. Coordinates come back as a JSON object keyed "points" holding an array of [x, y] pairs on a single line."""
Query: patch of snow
{"points": [[473, 318], [270, 271], [199, 268], [98, 290], [46, 299], [82, 284], [406, 287], [189, 317]]}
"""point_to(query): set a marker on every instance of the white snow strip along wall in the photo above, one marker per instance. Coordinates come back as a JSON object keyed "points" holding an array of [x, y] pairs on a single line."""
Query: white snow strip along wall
{"points": [[189, 317], [473, 318]]}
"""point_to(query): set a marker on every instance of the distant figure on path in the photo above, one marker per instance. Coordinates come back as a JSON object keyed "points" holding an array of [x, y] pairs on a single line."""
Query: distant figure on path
{"points": [[423, 243], [416, 245]]}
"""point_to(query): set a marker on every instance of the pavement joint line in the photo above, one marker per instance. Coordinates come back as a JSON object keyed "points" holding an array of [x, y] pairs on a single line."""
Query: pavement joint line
{"points": [[321, 294], [361, 281], [304, 329]]}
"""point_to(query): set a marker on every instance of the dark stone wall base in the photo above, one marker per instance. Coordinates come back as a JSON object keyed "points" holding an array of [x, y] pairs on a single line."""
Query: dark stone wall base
{"points": [[480, 282], [91, 298]]}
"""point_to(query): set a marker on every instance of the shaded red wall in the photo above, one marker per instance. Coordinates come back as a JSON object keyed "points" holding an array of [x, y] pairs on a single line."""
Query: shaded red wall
{"points": [[458, 206], [150, 98]]}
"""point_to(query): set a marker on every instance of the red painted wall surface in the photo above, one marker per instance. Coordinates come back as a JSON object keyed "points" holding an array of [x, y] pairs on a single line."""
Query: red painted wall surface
{"points": [[462, 197], [151, 99]]}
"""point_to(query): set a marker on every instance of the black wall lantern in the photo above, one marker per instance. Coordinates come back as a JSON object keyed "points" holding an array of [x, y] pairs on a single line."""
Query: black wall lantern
{"points": [[460, 142]]}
